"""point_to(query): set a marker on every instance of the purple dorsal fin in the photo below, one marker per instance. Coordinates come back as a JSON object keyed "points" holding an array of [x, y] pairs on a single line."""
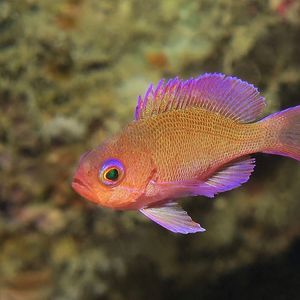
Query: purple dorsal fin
{"points": [[172, 217], [225, 95], [231, 175]]}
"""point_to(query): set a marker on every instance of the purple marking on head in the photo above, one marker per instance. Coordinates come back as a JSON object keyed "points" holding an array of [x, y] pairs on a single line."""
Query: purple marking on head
{"points": [[111, 172]]}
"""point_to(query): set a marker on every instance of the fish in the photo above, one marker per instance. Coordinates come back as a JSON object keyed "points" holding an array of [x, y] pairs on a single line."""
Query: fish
{"points": [[188, 138]]}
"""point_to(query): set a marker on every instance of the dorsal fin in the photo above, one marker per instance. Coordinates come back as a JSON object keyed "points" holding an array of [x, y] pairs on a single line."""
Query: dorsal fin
{"points": [[228, 96]]}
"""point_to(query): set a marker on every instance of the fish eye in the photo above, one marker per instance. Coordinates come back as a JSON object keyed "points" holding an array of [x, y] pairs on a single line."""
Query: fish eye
{"points": [[111, 172]]}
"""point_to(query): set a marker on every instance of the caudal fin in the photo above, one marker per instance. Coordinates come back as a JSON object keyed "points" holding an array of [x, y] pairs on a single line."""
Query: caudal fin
{"points": [[283, 130]]}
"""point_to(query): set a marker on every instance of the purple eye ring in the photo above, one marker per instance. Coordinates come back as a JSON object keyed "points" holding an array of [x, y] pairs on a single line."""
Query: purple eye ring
{"points": [[111, 172]]}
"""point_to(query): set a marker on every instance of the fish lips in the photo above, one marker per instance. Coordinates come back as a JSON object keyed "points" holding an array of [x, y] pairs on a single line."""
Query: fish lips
{"points": [[82, 188]]}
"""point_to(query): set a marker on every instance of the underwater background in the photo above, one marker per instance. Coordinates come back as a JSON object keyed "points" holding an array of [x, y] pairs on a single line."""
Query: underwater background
{"points": [[70, 74]]}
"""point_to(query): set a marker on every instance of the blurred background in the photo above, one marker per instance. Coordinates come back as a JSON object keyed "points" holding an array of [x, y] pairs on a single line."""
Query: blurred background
{"points": [[70, 73]]}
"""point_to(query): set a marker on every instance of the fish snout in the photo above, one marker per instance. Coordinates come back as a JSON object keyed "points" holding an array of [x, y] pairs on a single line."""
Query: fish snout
{"points": [[81, 185]]}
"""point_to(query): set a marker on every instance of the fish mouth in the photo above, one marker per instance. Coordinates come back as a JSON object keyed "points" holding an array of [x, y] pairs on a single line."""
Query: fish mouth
{"points": [[83, 189], [78, 181]]}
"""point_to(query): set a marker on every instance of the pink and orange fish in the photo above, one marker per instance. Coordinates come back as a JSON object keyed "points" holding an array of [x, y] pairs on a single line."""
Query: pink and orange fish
{"points": [[189, 137]]}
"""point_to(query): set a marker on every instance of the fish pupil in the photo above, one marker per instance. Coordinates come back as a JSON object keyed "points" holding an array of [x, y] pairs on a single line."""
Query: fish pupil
{"points": [[112, 174]]}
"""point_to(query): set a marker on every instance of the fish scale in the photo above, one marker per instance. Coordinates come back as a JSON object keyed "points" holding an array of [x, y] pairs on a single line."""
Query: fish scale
{"points": [[190, 135]]}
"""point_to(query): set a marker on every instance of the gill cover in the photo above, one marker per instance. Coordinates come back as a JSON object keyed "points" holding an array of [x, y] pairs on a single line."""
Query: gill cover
{"points": [[115, 174]]}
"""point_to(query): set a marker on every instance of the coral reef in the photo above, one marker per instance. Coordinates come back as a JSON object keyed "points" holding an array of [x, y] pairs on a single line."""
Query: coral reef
{"points": [[70, 73]]}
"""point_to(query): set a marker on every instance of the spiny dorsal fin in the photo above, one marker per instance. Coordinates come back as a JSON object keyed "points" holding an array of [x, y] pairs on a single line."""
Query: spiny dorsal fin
{"points": [[225, 95]]}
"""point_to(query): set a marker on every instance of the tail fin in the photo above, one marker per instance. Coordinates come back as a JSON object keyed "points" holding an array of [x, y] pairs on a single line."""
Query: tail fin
{"points": [[283, 130]]}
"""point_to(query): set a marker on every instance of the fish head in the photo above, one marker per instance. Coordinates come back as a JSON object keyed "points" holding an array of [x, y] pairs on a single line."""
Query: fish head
{"points": [[114, 175]]}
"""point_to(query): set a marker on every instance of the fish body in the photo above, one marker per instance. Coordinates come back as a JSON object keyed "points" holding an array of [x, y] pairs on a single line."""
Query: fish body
{"points": [[188, 138], [181, 143]]}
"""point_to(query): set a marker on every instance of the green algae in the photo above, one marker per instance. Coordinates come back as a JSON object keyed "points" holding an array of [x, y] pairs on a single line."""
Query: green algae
{"points": [[70, 72]]}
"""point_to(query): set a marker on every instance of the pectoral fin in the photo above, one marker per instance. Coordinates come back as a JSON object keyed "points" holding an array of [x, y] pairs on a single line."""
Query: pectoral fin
{"points": [[172, 217], [231, 175]]}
